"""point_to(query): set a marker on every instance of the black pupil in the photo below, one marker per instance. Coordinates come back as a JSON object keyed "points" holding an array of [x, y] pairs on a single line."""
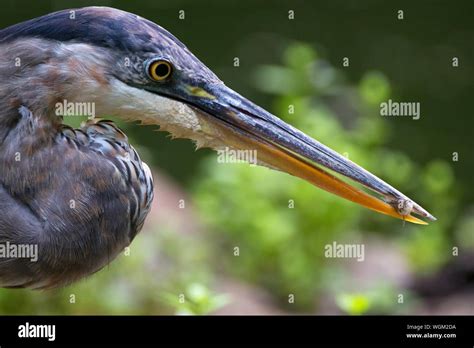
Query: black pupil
{"points": [[162, 69]]}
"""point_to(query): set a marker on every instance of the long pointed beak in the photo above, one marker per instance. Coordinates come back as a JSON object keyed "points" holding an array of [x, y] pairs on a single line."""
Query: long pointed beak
{"points": [[281, 146]]}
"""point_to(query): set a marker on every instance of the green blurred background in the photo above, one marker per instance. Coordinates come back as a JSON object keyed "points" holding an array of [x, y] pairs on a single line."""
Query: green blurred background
{"points": [[221, 238]]}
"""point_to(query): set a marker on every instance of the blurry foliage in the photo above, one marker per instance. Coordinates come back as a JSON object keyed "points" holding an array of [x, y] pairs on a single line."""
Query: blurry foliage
{"points": [[465, 232], [354, 304], [197, 299], [281, 248], [382, 298], [143, 282]]}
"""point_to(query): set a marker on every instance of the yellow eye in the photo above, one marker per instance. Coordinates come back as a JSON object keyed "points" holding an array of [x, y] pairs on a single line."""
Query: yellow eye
{"points": [[160, 70]]}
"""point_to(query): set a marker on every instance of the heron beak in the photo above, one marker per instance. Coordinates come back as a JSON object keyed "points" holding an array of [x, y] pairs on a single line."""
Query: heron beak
{"points": [[281, 146]]}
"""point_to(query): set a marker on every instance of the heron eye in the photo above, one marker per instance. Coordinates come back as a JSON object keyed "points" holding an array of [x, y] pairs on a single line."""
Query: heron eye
{"points": [[160, 70]]}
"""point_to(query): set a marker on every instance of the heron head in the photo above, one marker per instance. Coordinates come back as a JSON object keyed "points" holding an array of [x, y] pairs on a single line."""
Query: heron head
{"points": [[132, 68]]}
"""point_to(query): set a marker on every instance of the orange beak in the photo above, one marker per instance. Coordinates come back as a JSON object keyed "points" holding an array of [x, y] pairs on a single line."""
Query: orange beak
{"points": [[244, 125]]}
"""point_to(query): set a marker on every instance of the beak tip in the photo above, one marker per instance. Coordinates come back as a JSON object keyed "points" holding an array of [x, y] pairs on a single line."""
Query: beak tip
{"points": [[417, 209], [432, 218], [428, 216]]}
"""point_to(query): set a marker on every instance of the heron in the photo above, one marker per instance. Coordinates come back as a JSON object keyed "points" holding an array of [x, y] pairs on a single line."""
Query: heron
{"points": [[81, 195]]}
